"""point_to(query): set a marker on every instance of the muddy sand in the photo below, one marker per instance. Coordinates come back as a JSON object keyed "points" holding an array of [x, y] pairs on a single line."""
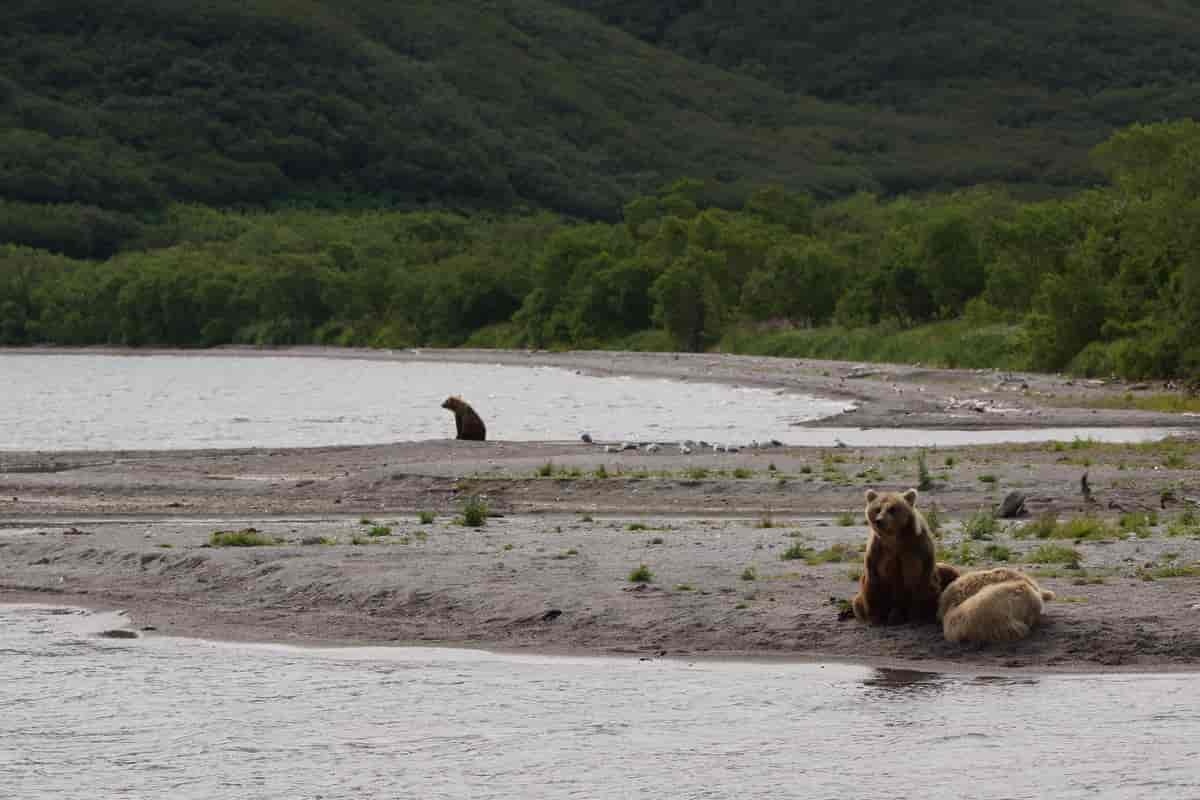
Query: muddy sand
{"points": [[750, 552]]}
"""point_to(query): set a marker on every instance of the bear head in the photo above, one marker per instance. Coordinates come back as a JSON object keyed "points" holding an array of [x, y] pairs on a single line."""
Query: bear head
{"points": [[891, 513]]}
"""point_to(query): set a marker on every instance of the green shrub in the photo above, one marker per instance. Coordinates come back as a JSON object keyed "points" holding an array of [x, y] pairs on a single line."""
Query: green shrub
{"points": [[1054, 554], [641, 574], [474, 513], [247, 537]]}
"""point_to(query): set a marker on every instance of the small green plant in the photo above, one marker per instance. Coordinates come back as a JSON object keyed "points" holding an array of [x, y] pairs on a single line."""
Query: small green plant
{"points": [[797, 552], [765, 522], [806, 470], [833, 554], [572, 552], [546, 470], [425, 517], [636, 526], [987, 478], [924, 479], [657, 540], [1168, 571], [981, 526], [600, 473], [641, 574], [587, 518], [1176, 461], [697, 473], [772, 468], [741, 473], [166, 545], [854, 573], [247, 537], [1054, 554], [950, 461], [474, 513], [749, 574], [684, 587], [742, 606], [1136, 521], [997, 552], [846, 519], [1186, 524], [508, 547], [380, 530], [1082, 444], [934, 518], [365, 521]]}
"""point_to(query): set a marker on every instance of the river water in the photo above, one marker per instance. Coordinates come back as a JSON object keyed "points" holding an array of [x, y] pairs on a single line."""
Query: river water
{"points": [[100, 402], [87, 717], [104, 402]]}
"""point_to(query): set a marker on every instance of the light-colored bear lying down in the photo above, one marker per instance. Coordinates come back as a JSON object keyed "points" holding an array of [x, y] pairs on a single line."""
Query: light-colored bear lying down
{"points": [[994, 605]]}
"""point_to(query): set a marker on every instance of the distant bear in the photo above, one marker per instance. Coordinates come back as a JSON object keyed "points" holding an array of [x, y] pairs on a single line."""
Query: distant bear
{"points": [[995, 605], [900, 580], [466, 421]]}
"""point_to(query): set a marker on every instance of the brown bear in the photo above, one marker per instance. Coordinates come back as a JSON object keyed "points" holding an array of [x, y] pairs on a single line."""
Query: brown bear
{"points": [[466, 421], [994, 605], [900, 580]]}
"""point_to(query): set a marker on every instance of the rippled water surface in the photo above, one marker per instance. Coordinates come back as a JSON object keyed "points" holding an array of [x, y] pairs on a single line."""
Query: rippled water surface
{"points": [[165, 402], [86, 717], [101, 402]]}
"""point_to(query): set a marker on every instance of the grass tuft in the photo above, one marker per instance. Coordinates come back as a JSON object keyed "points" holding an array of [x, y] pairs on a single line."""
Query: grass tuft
{"points": [[641, 574], [247, 537]]}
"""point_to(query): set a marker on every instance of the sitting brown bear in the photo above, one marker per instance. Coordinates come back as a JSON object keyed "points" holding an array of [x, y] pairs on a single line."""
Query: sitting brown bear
{"points": [[900, 580], [466, 421]]}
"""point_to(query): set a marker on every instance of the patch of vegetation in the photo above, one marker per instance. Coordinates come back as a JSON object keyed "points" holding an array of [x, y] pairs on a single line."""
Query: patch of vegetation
{"points": [[1054, 554], [996, 552], [365, 521], [641, 574], [981, 526], [846, 519], [425, 517], [741, 473], [1082, 528], [833, 554], [474, 512], [247, 537], [600, 473], [924, 479], [987, 478], [1186, 523], [1168, 571], [1138, 522], [750, 574], [950, 461], [765, 521], [637, 526], [587, 518], [697, 473], [806, 469], [854, 574], [684, 587], [657, 540], [934, 518], [380, 530], [796, 552], [545, 470]]}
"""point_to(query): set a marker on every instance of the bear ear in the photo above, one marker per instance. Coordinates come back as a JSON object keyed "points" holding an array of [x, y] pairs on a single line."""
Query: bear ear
{"points": [[871, 495], [911, 497]]}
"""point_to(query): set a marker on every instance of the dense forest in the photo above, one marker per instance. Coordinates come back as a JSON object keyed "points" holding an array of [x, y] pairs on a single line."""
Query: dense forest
{"points": [[841, 182]]}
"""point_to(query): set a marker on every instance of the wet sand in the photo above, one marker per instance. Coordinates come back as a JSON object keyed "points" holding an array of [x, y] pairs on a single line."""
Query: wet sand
{"points": [[130, 530]]}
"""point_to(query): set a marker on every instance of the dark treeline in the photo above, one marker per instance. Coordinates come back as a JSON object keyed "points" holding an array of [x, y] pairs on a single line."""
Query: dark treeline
{"points": [[1107, 281]]}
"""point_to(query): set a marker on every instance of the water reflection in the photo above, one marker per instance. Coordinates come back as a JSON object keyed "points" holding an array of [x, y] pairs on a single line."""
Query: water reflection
{"points": [[904, 683]]}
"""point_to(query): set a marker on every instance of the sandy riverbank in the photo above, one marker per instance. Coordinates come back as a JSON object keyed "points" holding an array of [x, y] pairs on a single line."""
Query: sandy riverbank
{"points": [[552, 572]]}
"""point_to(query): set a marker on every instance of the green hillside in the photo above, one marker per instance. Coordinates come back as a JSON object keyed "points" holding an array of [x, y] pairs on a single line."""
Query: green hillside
{"points": [[110, 111], [1077, 66]]}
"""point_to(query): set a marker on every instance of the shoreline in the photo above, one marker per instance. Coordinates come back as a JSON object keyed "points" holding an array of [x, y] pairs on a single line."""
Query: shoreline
{"points": [[130, 530], [939, 667]]}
